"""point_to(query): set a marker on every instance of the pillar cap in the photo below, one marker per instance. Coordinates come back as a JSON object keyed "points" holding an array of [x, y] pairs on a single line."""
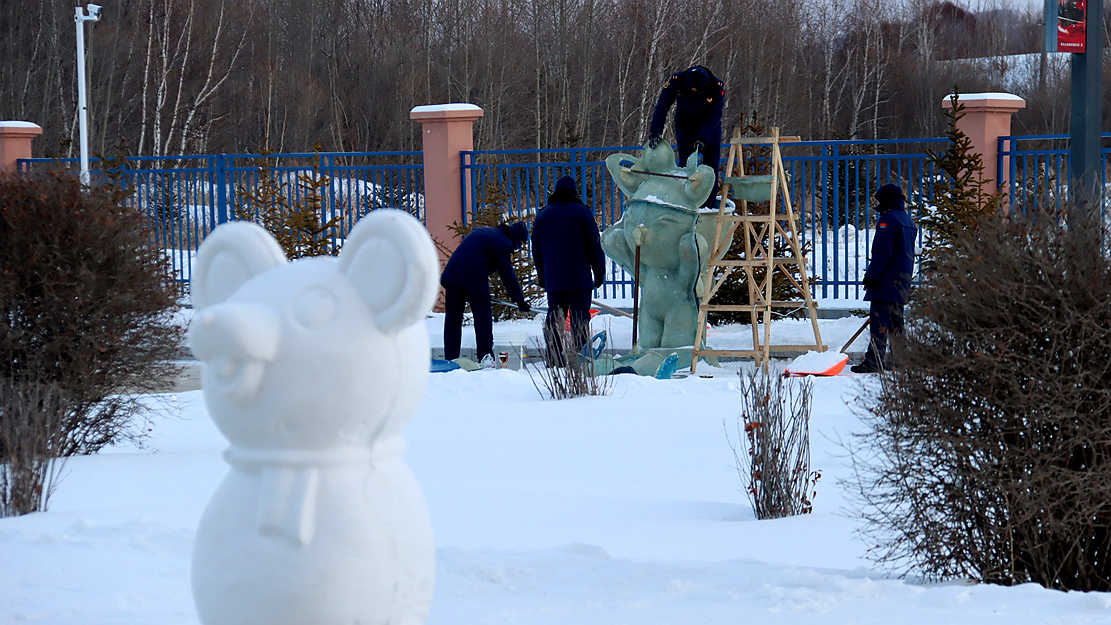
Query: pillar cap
{"points": [[989, 102], [12, 128], [457, 111]]}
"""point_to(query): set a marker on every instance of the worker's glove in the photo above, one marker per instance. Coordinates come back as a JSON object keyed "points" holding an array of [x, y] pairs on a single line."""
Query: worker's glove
{"points": [[653, 140], [699, 146], [869, 284], [524, 307], [599, 281]]}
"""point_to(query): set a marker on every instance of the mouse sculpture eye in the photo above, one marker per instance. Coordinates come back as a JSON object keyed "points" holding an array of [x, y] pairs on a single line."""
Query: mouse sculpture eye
{"points": [[314, 308]]}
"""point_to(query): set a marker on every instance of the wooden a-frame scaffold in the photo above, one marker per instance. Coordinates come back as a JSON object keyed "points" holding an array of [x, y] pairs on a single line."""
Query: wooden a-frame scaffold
{"points": [[760, 229]]}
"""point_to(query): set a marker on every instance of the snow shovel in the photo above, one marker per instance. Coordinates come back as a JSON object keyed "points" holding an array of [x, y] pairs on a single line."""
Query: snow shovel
{"points": [[822, 363]]}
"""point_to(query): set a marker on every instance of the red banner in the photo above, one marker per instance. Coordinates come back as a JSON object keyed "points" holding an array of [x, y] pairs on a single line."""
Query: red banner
{"points": [[1071, 25]]}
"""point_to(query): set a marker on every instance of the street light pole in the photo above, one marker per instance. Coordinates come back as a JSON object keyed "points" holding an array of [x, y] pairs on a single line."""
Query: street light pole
{"points": [[82, 102]]}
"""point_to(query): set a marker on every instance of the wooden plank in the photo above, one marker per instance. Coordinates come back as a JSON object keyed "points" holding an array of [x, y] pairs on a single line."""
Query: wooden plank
{"points": [[762, 262], [763, 140], [742, 307]]}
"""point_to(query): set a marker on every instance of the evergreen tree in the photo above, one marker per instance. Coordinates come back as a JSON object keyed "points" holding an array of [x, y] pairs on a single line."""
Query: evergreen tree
{"points": [[299, 225], [757, 161], [959, 202]]}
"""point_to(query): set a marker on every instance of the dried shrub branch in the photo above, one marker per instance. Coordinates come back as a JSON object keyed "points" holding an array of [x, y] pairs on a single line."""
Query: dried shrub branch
{"points": [[988, 452], [771, 444], [86, 313], [32, 437], [565, 372]]}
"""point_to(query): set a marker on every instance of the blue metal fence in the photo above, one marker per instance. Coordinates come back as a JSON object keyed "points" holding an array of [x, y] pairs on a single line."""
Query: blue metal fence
{"points": [[1038, 169], [831, 185], [186, 197]]}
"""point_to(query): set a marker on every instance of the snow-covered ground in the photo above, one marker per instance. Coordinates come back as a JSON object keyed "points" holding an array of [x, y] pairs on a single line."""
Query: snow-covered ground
{"points": [[622, 509]]}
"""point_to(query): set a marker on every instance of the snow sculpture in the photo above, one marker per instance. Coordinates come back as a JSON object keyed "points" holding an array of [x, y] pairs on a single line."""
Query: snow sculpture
{"points": [[311, 369], [661, 216]]}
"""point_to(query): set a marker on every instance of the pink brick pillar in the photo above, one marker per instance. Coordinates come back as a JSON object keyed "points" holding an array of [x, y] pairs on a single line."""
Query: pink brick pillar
{"points": [[447, 130], [15, 142], [987, 116]]}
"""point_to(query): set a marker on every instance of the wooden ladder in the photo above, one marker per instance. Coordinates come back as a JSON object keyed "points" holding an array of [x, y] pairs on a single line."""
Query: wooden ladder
{"points": [[761, 232]]}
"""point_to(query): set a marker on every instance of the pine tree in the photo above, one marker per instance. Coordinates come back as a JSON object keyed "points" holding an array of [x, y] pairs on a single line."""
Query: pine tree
{"points": [[960, 202], [757, 161], [299, 227]]}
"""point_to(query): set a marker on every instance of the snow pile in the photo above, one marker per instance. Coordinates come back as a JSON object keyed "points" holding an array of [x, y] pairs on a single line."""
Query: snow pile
{"points": [[816, 363]]}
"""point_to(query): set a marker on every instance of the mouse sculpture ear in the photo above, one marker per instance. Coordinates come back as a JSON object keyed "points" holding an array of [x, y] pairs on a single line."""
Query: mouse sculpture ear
{"points": [[700, 182], [390, 259], [231, 255]]}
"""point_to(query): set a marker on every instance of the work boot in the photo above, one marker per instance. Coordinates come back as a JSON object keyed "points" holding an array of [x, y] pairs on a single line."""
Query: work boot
{"points": [[865, 367]]}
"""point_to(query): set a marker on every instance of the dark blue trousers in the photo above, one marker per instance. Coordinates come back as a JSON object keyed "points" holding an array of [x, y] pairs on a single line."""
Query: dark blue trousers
{"points": [[577, 302], [711, 155], [885, 319], [455, 299]]}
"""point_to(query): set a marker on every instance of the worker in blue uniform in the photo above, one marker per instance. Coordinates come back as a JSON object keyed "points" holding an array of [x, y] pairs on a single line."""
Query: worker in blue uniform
{"points": [[466, 280], [698, 97], [887, 281], [570, 263]]}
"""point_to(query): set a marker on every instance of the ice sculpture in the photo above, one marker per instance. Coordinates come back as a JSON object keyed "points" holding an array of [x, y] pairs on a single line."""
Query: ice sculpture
{"points": [[662, 216], [311, 369]]}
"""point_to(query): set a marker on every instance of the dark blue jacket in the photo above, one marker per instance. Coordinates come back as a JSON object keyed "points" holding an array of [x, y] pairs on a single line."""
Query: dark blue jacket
{"points": [[892, 263], [565, 242], [480, 254], [697, 115]]}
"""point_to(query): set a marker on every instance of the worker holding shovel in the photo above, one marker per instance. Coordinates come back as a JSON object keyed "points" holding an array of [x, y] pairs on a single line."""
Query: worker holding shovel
{"points": [[887, 281]]}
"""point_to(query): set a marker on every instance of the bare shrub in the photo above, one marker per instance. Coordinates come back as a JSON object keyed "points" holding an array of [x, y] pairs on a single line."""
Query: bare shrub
{"points": [[32, 437], [771, 444], [566, 373], [988, 448], [86, 313]]}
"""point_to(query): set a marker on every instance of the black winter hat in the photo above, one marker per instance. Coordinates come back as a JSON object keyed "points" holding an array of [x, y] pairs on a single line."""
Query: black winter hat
{"points": [[889, 192], [566, 190], [697, 79], [567, 183], [516, 231]]}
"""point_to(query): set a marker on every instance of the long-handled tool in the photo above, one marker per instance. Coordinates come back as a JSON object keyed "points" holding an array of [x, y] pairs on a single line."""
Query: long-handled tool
{"points": [[850, 341], [605, 307], [629, 170]]}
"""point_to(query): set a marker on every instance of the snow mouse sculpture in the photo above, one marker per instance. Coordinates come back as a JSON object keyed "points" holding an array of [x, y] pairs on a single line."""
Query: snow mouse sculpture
{"points": [[663, 218], [311, 369]]}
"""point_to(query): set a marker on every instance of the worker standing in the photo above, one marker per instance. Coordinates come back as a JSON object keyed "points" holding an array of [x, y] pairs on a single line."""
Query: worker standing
{"points": [[887, 281], [569, 264]]}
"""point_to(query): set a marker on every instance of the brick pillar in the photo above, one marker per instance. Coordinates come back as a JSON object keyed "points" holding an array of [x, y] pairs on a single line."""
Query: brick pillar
{"points": [[987, 116], [15, 142], [447, 130]]}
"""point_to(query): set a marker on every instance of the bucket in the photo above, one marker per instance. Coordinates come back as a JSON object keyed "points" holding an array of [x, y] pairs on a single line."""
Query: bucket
{"points": [[509, 349]]}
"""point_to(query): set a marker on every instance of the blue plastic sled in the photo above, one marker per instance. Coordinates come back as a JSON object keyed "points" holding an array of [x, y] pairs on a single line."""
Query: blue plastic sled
{"points": [[595, 346], [440, 366]]}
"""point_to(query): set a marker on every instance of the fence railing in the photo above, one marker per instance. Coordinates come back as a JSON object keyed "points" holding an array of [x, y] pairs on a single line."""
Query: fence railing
{"points": [[1039, 171], [831, 183], [186, 197]]}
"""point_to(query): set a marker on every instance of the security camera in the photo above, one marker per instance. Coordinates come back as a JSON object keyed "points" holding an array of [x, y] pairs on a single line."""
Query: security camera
{"points": [[94, 11]]}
